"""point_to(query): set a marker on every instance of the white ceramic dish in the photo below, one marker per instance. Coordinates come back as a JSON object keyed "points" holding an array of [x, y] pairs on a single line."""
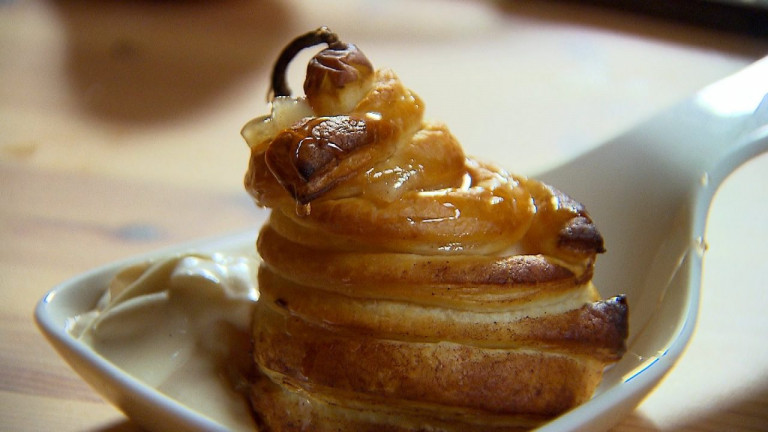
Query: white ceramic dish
{"points": [[648, 190]]}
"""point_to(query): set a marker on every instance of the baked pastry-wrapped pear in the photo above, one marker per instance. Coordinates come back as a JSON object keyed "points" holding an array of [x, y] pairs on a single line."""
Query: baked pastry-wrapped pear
{"points": [[404, 285]]}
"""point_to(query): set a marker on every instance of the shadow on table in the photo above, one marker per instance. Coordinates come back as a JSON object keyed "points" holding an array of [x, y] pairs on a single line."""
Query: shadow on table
{"points": [[120, 426], [749, 412], [624, 21], [143, 62]]}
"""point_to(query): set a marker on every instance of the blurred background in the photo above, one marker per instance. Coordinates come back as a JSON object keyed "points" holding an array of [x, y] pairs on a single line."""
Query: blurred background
{"points": [[120, 134], [143, 76]]}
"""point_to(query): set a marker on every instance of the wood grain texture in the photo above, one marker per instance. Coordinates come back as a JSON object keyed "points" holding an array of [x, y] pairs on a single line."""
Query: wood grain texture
{"points": [[120, 135]]}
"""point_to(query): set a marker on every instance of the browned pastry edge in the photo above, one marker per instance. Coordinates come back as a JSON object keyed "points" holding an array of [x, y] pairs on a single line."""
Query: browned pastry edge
{"points": [[597, 329], [472, 279], [471, 297], [579, 234], [558, 226], [562, 227], [287, 407], [501, 381]]}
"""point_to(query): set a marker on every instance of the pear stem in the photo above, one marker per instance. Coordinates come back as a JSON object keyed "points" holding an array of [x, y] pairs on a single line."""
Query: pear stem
{"points": [[315, 37]]}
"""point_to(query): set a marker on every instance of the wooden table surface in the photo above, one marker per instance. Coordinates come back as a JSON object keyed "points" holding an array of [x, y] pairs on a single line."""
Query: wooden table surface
{"points": [[120, 134]]}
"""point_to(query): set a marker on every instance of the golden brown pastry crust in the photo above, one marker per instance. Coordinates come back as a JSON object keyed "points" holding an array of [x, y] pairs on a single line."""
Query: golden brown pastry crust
{"points": [[286, 407], [406, 286]]}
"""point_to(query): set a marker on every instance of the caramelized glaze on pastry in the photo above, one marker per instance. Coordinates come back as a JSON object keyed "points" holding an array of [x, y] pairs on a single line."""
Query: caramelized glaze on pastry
{"points": [[406, 286]]}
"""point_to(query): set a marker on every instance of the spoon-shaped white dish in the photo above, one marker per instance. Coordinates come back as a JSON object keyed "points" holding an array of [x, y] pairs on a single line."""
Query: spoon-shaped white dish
{"points": [[648, 190]]}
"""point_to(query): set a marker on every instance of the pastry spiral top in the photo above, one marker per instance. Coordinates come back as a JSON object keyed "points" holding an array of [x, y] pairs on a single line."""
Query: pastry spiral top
{"points": [[379, 177]]}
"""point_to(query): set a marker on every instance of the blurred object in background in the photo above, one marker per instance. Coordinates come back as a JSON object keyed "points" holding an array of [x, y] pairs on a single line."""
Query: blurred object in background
{"points": [[140, 62], [741, 16]]}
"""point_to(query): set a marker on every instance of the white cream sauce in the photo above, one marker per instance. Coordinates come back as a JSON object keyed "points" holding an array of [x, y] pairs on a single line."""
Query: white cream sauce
{"points": [[182, 325]]}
